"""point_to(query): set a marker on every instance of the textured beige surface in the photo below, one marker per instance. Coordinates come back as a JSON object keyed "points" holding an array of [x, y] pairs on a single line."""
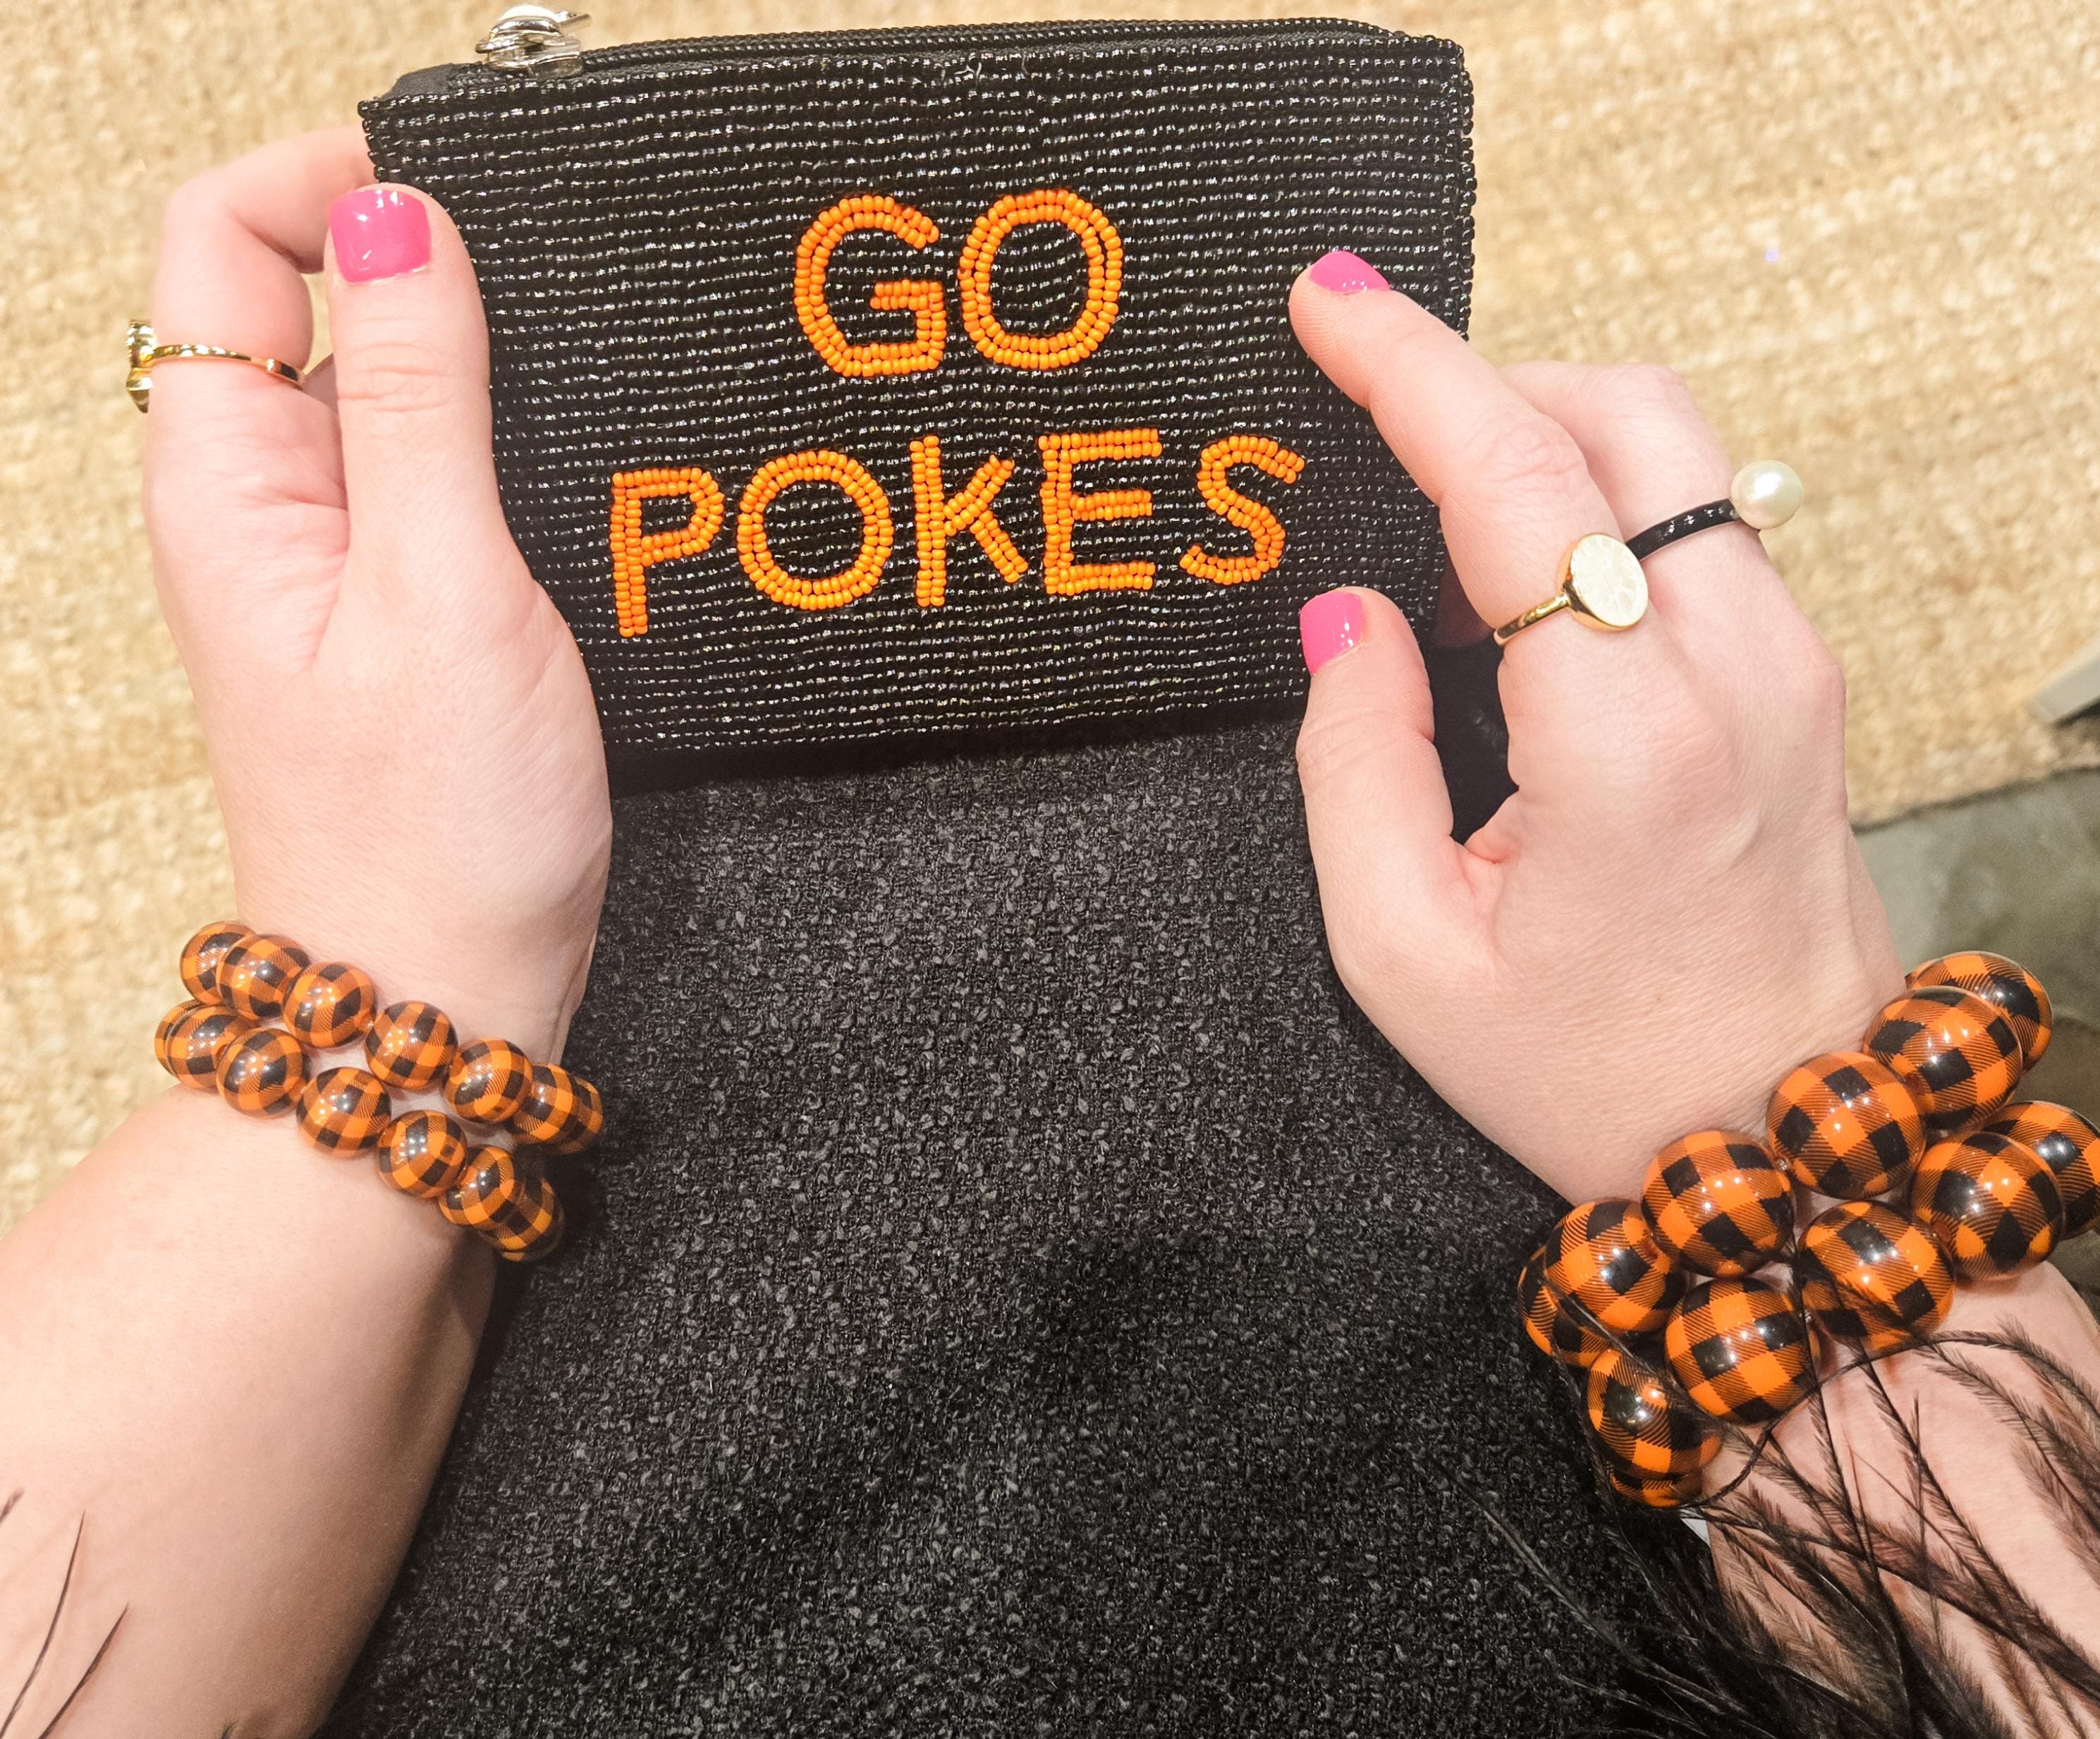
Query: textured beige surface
{"points": [[1864, 228]]}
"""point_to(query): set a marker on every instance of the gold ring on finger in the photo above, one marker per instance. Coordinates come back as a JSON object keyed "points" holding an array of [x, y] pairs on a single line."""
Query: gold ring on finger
{"points": [[143, 350], [1601, 582]]}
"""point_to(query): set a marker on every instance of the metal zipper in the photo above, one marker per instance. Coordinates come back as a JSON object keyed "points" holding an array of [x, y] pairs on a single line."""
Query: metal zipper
{"points": [[535, 40]]}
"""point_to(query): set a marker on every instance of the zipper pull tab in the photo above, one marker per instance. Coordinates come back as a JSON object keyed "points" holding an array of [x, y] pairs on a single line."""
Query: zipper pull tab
{"points": [[534, 39]]}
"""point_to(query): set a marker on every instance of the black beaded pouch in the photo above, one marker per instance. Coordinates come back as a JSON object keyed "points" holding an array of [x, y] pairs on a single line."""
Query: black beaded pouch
{"points": [[886, 384]]}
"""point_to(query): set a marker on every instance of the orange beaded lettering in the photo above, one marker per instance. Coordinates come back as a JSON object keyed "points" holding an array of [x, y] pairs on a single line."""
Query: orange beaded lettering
{"points": [[635, 551], [1063, 508], [942, 518], [825, 591], [1104, 251], [1250, 515], [921, 297]]}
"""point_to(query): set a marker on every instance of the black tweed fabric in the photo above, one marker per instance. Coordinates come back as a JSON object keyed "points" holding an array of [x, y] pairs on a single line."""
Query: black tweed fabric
{"points": [[1018, 1295], [635, 229]]}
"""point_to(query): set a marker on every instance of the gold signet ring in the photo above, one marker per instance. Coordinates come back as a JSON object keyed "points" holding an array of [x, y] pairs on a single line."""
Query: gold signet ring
{"points": [[1601, 581], [143, 350]]}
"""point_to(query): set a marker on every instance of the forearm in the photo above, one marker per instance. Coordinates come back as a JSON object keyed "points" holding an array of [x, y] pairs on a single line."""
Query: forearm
{"points": [[1961, 1479], [237, 1363], [233, 1359]]}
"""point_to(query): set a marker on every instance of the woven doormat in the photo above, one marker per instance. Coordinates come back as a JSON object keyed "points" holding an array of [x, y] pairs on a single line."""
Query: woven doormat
{"points": [[1862, 228]]}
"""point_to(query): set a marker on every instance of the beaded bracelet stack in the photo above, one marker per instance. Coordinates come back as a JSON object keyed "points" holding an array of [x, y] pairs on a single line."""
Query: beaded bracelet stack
{"points": [[223, 1039], [1938, 1176]]}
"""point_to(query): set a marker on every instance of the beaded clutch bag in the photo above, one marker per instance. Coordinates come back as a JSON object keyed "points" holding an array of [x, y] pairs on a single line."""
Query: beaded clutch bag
{"points": [[899, 383]]}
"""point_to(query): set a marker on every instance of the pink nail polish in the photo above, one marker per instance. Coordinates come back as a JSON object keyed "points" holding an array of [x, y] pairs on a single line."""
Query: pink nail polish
{"points": [[379, 233], [1330, 626], [1345, 273]]}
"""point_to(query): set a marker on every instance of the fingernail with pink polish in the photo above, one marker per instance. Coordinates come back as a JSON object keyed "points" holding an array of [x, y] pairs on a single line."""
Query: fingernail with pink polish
{"points": [[1330, 626], [1346, 273], [379, 233]]}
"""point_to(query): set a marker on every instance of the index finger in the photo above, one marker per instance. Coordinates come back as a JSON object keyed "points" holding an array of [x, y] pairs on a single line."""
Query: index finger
{"points": [[234, 247], [1511, 485]]}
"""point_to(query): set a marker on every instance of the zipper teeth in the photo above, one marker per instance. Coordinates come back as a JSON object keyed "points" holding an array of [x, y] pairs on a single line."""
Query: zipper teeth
{"points": [[720, 48]]}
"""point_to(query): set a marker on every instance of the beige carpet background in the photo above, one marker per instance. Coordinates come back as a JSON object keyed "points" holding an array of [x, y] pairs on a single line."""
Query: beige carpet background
{"points": [[1868, 230]]}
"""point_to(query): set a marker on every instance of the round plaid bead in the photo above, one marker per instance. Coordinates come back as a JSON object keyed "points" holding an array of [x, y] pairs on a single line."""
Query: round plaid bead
{"points": [[1739, 1349], [532, 1225], [562, 1111], [1868, 1275], [254, 972], [329, 1005], [261, 1071], [1558, 1327], [2007, 986], [1646, 1434], [1965, 1055], [410, 1045], [1991, 1201], [1846, 1125], [1604, 1262], [1657, 1495], [2066, 1143], [489, 1186], [202, 953], [343, 1111], [1717, 1201], [189, 1039], [422, 1153], [488, 1080]]}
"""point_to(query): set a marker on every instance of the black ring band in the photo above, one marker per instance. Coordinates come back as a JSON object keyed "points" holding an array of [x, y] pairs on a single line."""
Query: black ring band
{"points": [[1693, 520]]}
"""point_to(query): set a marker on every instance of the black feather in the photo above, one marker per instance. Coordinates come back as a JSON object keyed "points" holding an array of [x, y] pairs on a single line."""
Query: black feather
{"points": [[1878, 1591], [50, 1633]]}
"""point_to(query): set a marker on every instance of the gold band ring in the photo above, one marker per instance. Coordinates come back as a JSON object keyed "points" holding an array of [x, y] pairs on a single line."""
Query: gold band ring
{"points": [[143, 350], [1601, 580]]}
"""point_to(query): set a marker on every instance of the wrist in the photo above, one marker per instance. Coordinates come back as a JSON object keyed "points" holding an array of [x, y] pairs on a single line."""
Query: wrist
{"points": [[1720, 1077], [494, 980], [257, 1167], [1837, 1020]]}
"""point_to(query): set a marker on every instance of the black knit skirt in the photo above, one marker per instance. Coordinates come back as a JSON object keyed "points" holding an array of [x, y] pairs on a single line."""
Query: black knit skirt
{"points": [[1018, 1294]]}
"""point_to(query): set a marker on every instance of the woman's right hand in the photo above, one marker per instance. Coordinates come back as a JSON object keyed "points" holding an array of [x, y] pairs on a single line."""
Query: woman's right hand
{"points": [[401, 732], [1668, 915], [1671, 912]]}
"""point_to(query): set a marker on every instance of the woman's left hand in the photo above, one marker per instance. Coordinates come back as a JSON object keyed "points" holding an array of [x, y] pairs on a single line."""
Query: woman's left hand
{"points": [[232, 1363], [401, 732]]}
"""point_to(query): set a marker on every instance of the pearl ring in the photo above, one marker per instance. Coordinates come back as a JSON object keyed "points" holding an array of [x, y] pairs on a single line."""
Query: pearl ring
{"points": [[1602, 584]]}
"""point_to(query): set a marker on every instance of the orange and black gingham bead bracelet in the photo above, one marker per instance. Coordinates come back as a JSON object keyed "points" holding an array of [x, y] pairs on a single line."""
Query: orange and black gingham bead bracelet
{"points": [[222, 1039], [1700, 1307]]}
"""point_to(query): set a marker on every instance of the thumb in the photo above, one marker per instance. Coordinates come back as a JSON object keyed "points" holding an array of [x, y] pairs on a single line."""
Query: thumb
{"points": [[1393, 883], [411, 388]]}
